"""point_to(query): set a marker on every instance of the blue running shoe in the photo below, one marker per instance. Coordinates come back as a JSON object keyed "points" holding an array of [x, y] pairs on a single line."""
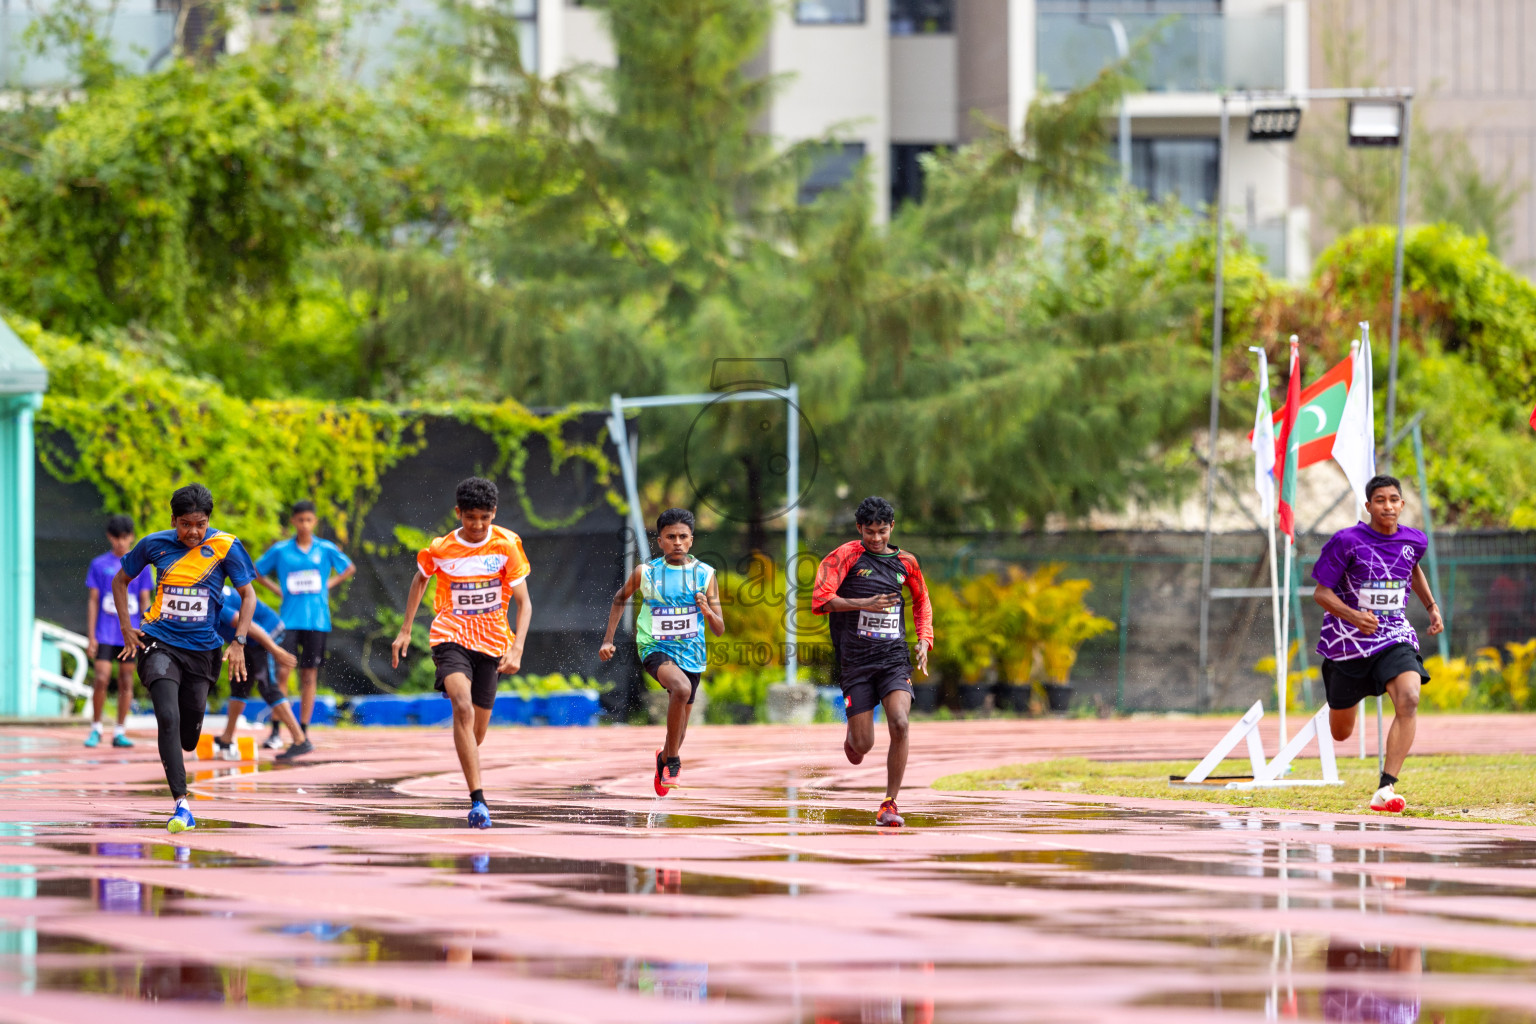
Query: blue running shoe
{"points": [[121, 740], [479, 815], [181, 821], [94, 739]]}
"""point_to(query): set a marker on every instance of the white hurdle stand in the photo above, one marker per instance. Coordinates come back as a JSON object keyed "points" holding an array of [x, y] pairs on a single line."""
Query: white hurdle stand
{"points": [[1266, 774]]}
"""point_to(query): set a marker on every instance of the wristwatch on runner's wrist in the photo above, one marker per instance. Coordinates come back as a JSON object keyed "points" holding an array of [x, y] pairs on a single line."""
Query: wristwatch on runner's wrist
{"points": [[240, 639]]}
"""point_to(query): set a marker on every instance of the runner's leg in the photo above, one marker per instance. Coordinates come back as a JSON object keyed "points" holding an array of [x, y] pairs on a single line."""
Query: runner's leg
{"points": [[861, 732], [103, 675], [898, 704], [456, 688], [482, 723], [193, 699], [124, 691], [163, 694], [235, 709], [1404, 691], [675, 681], [1341, 722], [309, 678]]}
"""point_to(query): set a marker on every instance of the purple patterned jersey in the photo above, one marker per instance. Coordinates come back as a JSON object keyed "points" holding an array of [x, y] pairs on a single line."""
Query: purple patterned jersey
{"points": [[1373, 571]]}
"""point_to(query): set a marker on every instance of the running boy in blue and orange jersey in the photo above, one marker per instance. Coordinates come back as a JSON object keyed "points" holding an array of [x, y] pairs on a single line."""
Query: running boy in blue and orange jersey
{"points": [[178, 646], [676, 591]]}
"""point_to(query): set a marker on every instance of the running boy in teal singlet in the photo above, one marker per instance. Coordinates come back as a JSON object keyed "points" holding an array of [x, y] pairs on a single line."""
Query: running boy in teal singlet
{"points": [[678, 595]]}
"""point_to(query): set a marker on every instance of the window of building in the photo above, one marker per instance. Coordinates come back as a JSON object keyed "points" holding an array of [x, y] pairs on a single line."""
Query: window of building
{"points": [[835, 166], [1111, 7], [1182, 168], [907, 178], [922, 17], [829, 12]]}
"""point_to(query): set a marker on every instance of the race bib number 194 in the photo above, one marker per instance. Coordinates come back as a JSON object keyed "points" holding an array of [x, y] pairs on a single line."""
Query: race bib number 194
{"points": [[184, 604], [1384, 596]]}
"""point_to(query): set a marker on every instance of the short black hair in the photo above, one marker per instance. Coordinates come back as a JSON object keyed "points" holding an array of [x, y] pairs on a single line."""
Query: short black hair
{"points": [[301, 506], [672, 516], [475, 493], [874, 510], [1379, 481], [191, 498], [119, 526]]}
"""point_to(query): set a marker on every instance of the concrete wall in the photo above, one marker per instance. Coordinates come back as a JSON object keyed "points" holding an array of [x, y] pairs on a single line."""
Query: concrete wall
{"points": [[981, 38], [1473, 66], [584, 39], [838, 83], [925, 101]]}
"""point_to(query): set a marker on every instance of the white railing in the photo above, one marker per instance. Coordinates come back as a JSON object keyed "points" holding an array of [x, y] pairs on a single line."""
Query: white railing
{"points": [[72, 685]]}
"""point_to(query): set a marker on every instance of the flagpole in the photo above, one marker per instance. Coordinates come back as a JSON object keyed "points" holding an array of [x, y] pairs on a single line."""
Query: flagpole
{"points": [[1267, 499], [1282, 676]]}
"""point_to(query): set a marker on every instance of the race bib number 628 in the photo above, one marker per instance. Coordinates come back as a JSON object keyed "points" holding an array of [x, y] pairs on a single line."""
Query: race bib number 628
{"points": [[476, 597]]}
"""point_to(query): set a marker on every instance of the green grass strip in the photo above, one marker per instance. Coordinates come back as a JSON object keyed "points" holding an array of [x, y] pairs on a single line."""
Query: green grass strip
{"points": [[1495, 788]]}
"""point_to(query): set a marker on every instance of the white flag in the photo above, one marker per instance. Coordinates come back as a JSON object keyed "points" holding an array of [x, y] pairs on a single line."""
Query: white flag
{"points": [[1354, 447], [1264, 441]]}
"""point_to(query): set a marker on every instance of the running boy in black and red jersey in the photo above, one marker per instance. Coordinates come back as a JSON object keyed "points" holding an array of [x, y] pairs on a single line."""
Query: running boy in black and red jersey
{"points": [[859, 586]]}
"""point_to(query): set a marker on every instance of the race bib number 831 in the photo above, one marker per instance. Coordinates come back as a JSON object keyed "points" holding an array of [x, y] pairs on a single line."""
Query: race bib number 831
{"points": [[679, 623]]}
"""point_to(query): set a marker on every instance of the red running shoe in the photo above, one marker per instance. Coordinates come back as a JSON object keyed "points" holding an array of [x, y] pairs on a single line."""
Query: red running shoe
{"points": [[667, 771], [1388, 801], [888, 816]]}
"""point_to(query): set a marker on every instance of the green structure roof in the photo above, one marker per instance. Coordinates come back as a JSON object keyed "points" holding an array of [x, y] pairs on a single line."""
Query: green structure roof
{"points": [[20, 372]]}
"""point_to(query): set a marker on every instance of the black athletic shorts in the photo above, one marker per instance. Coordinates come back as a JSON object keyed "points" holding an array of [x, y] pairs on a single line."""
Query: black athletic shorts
{"points": [[160, 660], [656, 659], [259, 672], [308, 645], [865, 688], [108, 652], [481, 669], [1349, 682]]}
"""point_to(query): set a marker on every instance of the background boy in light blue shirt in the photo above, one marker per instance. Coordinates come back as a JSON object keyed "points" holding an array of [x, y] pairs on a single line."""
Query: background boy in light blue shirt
{"points": [[307, 568]]}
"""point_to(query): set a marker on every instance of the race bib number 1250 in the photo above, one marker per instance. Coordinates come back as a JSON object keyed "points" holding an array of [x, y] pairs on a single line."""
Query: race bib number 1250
{"points": [[477, 597], [881, 625], [184, 604]]}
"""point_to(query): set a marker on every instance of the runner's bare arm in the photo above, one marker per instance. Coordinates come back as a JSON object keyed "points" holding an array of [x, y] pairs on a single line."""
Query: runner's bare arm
{"points": [[512, 660], [709, 604], [270, 584], [131, 642], [341, 577], [1363, 620], [235, 654], [264, 638], [92, 610], [922, 610], [1421, 588], [620, 598], [412, 605]]}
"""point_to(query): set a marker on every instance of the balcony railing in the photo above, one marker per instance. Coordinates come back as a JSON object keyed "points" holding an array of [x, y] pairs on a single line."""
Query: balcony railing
{"points": [[1187, 52]]}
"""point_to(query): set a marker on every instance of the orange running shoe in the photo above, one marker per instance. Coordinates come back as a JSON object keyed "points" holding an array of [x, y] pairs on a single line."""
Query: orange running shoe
{"points": [[888, 816], [667, 771]]}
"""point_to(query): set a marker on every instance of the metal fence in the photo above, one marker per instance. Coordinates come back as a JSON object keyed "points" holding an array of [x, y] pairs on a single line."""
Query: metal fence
{"points": [[1149, 585]]}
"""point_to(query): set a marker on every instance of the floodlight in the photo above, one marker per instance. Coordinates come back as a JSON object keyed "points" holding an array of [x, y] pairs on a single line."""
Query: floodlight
{"points": [[1375, 123]]}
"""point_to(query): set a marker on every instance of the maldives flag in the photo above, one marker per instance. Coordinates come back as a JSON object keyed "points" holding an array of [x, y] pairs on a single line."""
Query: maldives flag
{"points": [[1533, 419], [1321, 407], [1290, 436]]}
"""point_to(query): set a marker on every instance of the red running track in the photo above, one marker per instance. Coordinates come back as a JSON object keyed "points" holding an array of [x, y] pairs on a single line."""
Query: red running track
{"points": [[347, 887]]}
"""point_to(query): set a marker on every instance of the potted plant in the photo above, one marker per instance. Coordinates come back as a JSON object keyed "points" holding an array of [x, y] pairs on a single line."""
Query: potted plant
{"points": [[1063, 623]]}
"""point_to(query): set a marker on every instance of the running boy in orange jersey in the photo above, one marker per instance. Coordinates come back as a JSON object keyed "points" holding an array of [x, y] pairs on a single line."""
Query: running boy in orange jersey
{"points": [[478, 568]]}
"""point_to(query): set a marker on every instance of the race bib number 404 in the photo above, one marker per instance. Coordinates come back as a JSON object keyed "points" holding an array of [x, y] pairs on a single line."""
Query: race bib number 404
{"points": [[184, 604], [304, 581], [478, 597], [881, 625], [675, 623], [1384, 596]]}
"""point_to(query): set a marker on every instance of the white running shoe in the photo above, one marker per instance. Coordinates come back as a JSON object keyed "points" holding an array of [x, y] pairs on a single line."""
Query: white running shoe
{"points": [[273, 742], [1388, 801], [225, 751]]}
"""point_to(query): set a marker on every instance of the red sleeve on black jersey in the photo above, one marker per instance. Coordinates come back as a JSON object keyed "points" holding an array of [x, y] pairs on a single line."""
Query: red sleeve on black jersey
{"points": [[922, 608], [831, 573]]}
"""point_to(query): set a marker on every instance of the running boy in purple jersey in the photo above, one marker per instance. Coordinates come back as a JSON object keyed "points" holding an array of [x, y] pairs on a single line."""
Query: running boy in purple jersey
{"points": [[105, 636], [1363, 575]]}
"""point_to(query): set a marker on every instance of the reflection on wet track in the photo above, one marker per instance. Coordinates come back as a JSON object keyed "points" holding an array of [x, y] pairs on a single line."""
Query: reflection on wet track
{"points": [[348, 886]]}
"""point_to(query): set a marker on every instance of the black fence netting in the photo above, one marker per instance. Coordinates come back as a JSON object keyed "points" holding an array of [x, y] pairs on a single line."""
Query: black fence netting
{"points": [[576, 567]]}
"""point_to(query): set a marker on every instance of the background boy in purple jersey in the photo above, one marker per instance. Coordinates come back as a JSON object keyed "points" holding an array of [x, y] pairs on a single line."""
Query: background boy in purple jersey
{"points": [[1363, 575], [104, 635]]}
